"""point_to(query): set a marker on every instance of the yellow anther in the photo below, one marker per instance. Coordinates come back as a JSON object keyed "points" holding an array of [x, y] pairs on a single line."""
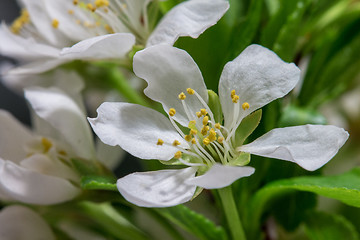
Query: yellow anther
{"points": [[193, 131], [220, 139], [178, 154], [217, 125], [55, 23], [245, 105], [206, 141], [78, 21], [232, 93], [108, 28], [188, 138], [203, 111], [176, 143], [212, 135], [235, 98], [97, 23], [193, 141], [91, 7], [62, 152], [204, 130], [172, 112], [192, 124], [190, 91], [205, 120], [198, 114], [160, 142], [71, 12], [75, 2], [46, 144], [101, 3], [18, 24], [182, 96]]}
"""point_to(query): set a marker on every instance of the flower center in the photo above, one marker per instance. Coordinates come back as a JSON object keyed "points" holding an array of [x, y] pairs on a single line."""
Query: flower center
{"points": [[208, 141]]}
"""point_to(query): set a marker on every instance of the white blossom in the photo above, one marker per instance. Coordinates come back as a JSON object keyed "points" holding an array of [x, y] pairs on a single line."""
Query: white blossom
{"points": [[191, 134]]}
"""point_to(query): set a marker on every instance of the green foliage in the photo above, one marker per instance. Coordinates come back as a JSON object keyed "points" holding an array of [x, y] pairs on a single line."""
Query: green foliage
{"points": [[98, 183], [294, 116], [325, 226], [193, 222], [345, 188], [247, 126]]}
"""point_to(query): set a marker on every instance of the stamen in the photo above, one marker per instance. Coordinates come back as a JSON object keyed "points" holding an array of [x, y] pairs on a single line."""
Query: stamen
{"points": [[71, 12], [75, 2], [160, 142], [212, 135], [182, 96], [192, 124], [232, 93], [198, 114], [101, 3], [176, 143], [205, 120], [203, 111], [235, 98], [217, 125], [245, 105], [188, 138], [108, 28], [172, 112], [206, 141], [190, 91], [91, 7], [193, 141], [220, 139], [55, 23], [205, 130], [46, 144], [193, 131], [178, 154]]}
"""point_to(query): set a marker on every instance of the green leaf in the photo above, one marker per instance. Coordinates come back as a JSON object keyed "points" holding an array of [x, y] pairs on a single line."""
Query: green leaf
{"points": [[294, 116], [325, 226], [98, 183], [345, 188], [106, 216], [245, 31], [215, 106], [193, 222], [247, 126]]}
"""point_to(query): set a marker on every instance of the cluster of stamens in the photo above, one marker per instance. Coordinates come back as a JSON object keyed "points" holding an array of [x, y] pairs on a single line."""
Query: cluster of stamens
{"points": [[20, 22], [208, 141]]}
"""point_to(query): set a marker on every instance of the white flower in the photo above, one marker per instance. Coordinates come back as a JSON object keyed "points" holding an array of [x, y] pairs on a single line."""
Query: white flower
{"points": [[36, 167], [102, 29], [22, 223], [193, 135]]}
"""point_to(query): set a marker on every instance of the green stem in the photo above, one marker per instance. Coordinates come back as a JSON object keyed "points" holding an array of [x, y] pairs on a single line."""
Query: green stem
{"points": [[231, 213], [122, 85]]}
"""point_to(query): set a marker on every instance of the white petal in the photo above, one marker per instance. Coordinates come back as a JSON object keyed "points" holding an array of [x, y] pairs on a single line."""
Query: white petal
{"points": [[168, 72], [22, 223], [42, 163], [162, 188], [31, 187], [13, 137], [110, 156], [110, 46], [15, 46], [190, 18], [136, 129], [43, 23], [258, 76], [310, 146], [58, 10], [36, 67], [65, 116], [220, 176]]}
